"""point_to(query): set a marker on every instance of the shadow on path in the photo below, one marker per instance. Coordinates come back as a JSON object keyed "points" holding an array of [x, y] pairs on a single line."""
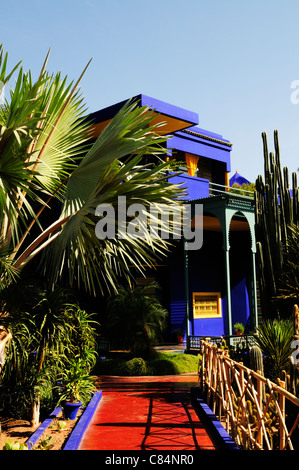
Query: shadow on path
{"points": [[146, 414]]}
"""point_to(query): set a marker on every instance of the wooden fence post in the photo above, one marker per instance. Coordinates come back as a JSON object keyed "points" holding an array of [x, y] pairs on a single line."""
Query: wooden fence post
{"points": [[235, 389], [259, 389], [282, 433]]}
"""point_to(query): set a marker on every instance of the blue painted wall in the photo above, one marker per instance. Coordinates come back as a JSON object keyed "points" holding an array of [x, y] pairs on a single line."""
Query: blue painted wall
{"points": [[203, 147], [241, 278], [207, 274], [177, 304], [196, 188]]}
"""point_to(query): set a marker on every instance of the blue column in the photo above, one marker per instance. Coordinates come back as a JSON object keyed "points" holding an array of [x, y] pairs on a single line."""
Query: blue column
{"points": [[186, 273], [228, 291], [254, 297]]}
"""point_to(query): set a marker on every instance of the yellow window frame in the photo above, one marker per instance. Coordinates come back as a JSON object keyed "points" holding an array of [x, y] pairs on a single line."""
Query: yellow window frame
{"points": [[206, 305]]}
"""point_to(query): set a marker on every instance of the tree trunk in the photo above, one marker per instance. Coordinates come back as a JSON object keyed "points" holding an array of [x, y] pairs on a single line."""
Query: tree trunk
{"points": [[5, 336], [35, 412]]}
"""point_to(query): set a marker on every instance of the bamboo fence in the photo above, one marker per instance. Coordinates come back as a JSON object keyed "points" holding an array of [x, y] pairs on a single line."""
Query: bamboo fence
{"points": [[257, 413]]}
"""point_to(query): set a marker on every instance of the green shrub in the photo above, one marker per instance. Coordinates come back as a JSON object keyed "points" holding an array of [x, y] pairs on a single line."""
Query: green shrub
{"points": [[161, 364], [163, 367], [185, 362], [134, 367]]}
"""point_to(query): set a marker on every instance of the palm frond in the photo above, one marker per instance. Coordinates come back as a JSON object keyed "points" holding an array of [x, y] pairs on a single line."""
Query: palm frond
{"points": [[41, 132], [128, 133], [43, 135], [77, 249]]}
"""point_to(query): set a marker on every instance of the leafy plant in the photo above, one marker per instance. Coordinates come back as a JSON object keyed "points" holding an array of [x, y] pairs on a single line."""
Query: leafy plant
{"points": [[15, 445], [274, 337], [47, 330], [135, 319], [60, 425], [45, 444], [239, 327], [83, 334], [246, 189], [77, 385]]}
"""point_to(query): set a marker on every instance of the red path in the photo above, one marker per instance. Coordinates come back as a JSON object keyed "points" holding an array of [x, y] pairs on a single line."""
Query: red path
{"points": [[147, 413]]}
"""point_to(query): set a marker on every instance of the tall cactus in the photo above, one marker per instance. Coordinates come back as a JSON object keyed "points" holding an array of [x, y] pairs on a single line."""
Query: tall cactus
{"points": [[294, 364], [256, 359], [257, 363], [276, 210]]}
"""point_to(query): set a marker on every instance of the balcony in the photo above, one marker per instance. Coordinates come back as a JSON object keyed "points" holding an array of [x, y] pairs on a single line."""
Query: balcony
{"points": [[201, 188]]}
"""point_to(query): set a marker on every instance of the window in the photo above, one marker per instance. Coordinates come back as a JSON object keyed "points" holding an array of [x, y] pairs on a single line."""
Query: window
{"points": [[206, 305], [204, 168]]}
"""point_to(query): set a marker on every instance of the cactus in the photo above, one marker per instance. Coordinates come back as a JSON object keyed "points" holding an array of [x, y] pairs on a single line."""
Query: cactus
{"points": [[257, 362], [296, 322], [294, 364], [271, 421], [276, 210], [256, 359]]}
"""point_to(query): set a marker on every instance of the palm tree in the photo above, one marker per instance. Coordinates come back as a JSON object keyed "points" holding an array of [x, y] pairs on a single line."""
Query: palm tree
{"points": [[52, 179], [46, 155], [135, 319], [48, 330]]}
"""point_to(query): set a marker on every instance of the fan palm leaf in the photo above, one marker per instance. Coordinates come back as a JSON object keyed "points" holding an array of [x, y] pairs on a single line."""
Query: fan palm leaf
{"points": [[39, 131], [101, 178], [46, 154]]}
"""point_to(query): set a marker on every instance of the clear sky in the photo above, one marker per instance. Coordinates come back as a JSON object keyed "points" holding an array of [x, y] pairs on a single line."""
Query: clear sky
{"points": [[232, 62]]}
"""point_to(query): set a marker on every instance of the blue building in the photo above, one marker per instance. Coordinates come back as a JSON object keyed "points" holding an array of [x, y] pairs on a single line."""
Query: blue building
{"points": [[206, 291]]}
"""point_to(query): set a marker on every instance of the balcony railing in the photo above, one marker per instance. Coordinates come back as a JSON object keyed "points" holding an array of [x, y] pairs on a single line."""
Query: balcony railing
{"points": [[198, 188], [216, 189], [244, 341]]}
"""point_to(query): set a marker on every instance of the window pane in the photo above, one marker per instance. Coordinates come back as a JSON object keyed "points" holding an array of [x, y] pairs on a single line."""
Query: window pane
{"points": [[206, 304]]}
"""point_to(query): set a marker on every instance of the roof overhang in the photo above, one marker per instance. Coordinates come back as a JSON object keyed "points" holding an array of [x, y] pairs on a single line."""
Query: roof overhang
{"points": [[174, 117]]}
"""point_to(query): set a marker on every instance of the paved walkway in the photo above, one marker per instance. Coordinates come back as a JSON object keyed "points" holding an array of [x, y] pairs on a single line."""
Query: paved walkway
{"points": [[146, 413]]}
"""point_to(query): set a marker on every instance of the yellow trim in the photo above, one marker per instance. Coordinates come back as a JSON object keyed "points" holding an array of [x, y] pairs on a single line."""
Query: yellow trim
{"points": [[226, 181], [210, 297], [191, 161]]}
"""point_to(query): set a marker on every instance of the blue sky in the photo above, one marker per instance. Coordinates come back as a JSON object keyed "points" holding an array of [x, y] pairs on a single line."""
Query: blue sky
{"points": [[232, 61]]}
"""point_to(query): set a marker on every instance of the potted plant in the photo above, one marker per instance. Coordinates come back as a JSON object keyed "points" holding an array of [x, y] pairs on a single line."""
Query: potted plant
{"points": [[239, 328], [179, 335], [75, 388]]}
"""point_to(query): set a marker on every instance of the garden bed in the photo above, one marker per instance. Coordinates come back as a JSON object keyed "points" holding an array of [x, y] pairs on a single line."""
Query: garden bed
{"points": [[53, 438], [49, 435]]}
